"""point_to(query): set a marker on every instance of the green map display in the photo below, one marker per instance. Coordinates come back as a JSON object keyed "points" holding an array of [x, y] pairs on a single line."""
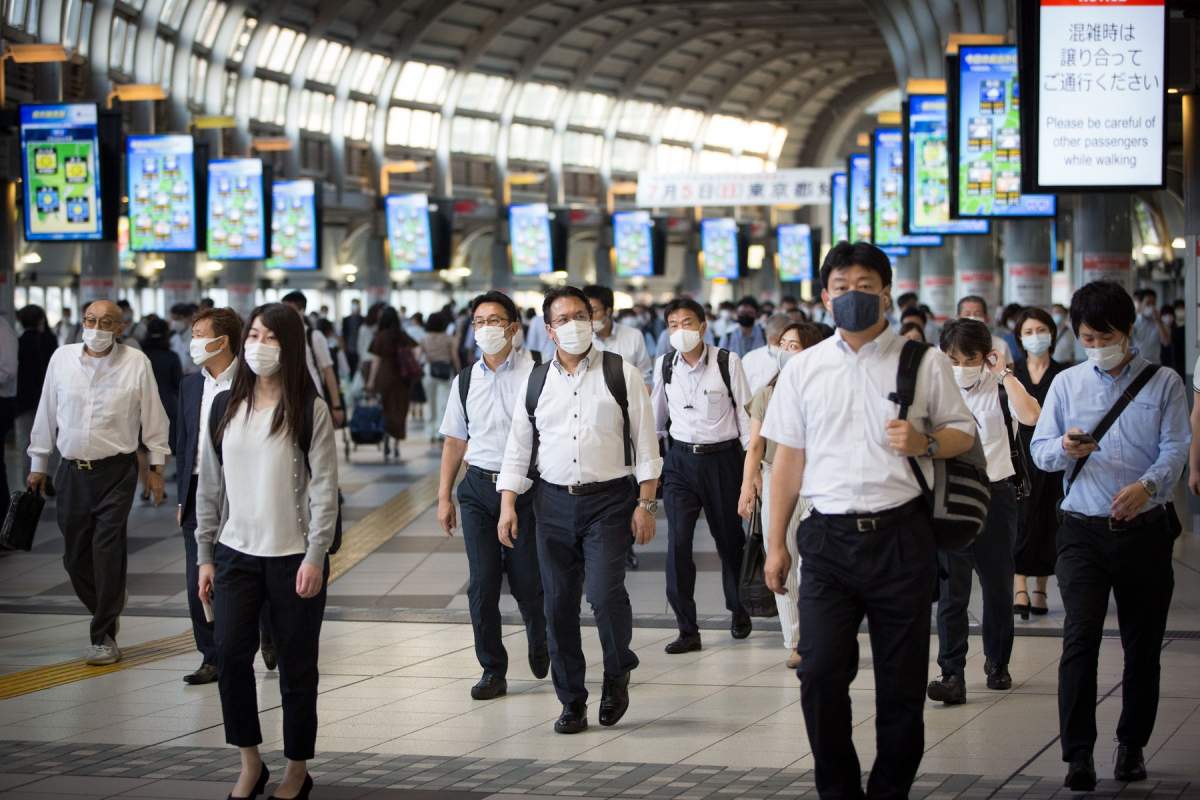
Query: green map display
{"points": [[59, 147]]}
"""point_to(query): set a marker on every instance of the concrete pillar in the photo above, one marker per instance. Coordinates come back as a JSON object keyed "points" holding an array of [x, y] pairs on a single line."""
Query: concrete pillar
{"points": [[937, 281], [1102, 235], [906, 273], [240, 278], [1026, 256], [377, 280], [605, 276], [692, 282], [976, 271]]}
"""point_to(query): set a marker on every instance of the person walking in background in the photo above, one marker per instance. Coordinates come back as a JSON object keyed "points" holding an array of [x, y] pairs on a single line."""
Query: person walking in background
{"points": [[1150, 334], [440, 353], [762, 364], [351, 324], [181, 335], [65, 331], [318, 359], [393, 371], [168, 372], [34, 350], [626, 342], [8, 400], [747, 334]]}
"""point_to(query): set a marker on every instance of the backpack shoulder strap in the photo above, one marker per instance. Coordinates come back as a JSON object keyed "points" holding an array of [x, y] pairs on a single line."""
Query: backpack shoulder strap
{"points": [[306, 427], [536, 355], [464, 389], [1107, 422], [723, 366], [533, 392], [906, 375], [614, 377], [216, 412], [668, 365]]}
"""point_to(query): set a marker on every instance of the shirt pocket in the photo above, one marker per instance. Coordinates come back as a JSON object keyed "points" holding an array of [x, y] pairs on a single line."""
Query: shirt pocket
{"points": [[1143, 420], [72, 407], [604, 416], [715, 405]]}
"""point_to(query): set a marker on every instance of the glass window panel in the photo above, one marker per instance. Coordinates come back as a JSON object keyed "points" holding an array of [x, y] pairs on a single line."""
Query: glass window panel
{"points": [[591, 110], [724, 131], [714, 161], [473, 135], [415, 128], [483, 92], [758, 137], [362, 120], [164, 54], [116, 41], [751, 164], [777, 141], [242, 39], [637, 117], [230, 92], [682, 124], [329, 59], [398, 123], [197, 79], [583, 149], [529, 142], [537, 100], [672, 158], [85, 28], [369, 72], [130, 49], [629, 155], [433, 85], [409, 82], [316, 111], [268, 45], [210, 22], [71, 24]]}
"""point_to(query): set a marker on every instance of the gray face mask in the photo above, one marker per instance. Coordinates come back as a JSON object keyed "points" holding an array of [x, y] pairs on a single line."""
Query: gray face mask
{"points": [[786, 356], [856, 311]]}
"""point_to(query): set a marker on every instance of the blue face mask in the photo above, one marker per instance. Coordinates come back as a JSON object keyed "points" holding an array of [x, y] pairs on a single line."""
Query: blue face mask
{"points": [[856, 311]]}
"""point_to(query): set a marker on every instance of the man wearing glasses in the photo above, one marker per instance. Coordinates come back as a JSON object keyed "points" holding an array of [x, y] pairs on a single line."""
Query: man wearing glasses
{"points": [[478, 416], [583, 423], [98, 400]]}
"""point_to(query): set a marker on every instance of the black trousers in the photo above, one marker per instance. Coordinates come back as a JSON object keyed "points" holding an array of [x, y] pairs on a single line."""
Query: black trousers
{"points": [[992, 557], [692, 483], [202, 629], [489, 562], [1135, 565], [888, 577], [7, 415], [243, 583], [93, 511], [582, 541]]}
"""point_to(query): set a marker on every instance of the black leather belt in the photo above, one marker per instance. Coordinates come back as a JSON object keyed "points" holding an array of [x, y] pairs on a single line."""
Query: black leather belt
{"points": [[591, 488], [485, 474], [705, 449], [98, 463], [1154, 516], [869, 523]]}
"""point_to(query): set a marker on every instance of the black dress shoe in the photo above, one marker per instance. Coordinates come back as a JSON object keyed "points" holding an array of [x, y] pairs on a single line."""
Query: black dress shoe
{"points": [[489, 687], [997, 677], [686, 643], [741, 626], [573, 718], [1130, 766], [539, 661], [270, 661], [614, 702], [305, 790], [206, 674], [264, 775], [948, 689], [1081, 776]]}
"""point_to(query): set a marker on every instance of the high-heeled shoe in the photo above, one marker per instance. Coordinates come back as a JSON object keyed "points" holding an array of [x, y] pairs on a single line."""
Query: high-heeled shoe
{"points": [[260, 785], [305, 790], [1039, 611], [1022, 608]]}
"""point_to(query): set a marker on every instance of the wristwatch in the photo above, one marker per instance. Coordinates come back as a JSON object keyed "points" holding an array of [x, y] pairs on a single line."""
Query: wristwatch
{"points": [[931, 446], [158, 469], [1004, 373], [649, 506], [1150, 486]]}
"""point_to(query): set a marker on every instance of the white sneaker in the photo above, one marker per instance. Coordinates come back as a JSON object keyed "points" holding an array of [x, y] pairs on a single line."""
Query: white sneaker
{"points": [[99, 655]]}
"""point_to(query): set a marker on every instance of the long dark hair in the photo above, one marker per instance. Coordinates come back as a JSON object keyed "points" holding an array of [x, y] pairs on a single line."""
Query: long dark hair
{"points": [[298, 387]]}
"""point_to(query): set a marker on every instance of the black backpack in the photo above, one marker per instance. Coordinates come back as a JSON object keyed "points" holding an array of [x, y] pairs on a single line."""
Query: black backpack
{"points": [[221, 403], [464, 386]]}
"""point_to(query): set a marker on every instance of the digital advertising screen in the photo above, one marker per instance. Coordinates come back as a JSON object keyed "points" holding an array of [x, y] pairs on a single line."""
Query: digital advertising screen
{"points": [[529, 238], [410, 245], [887, 192], [988, 148], [294, 225], [60, 167], [795, 253], [839, 214], [161, 181], [927, 170], [236, 218], [858, 194], [719, 243], [633, 244]]}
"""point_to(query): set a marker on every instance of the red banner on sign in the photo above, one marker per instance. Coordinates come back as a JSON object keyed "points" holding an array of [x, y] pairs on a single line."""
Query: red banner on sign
{"points": [[1103, 3]]}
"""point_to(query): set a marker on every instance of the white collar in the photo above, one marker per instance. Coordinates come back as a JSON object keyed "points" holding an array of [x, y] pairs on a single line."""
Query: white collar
{"points": [[226, 375]]}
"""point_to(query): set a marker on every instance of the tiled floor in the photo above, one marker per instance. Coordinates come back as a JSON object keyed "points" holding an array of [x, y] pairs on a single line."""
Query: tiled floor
{"points": [[397, 720]]}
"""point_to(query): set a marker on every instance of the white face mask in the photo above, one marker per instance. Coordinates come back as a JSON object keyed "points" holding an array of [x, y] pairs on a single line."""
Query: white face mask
{"points": [[97, 340], [599, 324], [491, 340], [199, 352], [263, 359], [1106, 358], [1058, 317], [685, 340], [966, 377], [1036, 344], [574, 336]]}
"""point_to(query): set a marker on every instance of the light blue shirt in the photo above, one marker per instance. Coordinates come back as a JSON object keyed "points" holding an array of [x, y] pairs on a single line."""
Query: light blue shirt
{"points": [[1148, 441], [737, 342]]}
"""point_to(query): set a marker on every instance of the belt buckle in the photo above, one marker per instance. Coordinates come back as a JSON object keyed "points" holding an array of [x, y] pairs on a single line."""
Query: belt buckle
{"points": [[495, 476], [571, 489], [697, 449], [82, 464], [1116, 525], [867, 524]]}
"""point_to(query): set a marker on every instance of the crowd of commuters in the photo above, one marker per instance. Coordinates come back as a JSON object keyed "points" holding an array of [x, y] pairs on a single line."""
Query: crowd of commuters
{"points": [[574, 420]]}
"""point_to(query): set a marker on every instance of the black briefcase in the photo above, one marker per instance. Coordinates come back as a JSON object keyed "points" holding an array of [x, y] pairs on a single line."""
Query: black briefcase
{"points": [[757, 599], [24, 511]]}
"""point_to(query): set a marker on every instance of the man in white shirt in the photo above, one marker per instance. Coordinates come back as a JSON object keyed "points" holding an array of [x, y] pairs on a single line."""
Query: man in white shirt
{"points": [[975, 307], [589, 438], [216, 338], [700, 399], [762, 363], [66, 331], [623, 340], [868, 547], [476, 431], [1150, 335], [98, 399], [319, 361]]}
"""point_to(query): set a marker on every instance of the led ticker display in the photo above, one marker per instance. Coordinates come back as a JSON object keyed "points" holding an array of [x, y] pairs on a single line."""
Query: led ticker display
{"points": [[294, 225], [161, 180], [858, 193], [410, 245], [529, 235], [887, 192], [236, 219], [839, 209], [927, 170], [795, 253], [988, 146], [60, 167], [633, 244], [719, 245]]}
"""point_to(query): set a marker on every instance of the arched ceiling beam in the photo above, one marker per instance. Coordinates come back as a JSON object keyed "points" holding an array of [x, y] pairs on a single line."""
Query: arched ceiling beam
{"points": [[735, 81], [969, 20], [893, 41], [837, 119]]}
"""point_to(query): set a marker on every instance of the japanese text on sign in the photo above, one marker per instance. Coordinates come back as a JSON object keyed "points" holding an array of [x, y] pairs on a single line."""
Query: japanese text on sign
{"points": [[785, 187]]}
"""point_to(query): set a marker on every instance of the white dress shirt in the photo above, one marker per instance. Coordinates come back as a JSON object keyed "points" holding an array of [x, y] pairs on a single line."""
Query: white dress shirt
{"points": [[490, 402], [94, 408], [581, 430], [833, 403], [630, 345], [181, 346], [317, 357], [760, 366], [212, 387], [696, 402], [983, 401]]}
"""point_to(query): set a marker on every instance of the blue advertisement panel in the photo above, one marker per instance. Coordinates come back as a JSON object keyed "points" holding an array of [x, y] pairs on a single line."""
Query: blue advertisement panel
{"points": [[839, 214], [529, 239], [633, 244], [410, 246], [161, 180], [294, 225], [887, 192], [928, 170], [236, 219], [59, 151], [719, 245], [795, 253], [858, 193]]}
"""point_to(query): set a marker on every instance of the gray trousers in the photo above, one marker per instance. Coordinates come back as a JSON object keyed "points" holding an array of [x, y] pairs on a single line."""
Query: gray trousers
{"points": [[93, 510]]}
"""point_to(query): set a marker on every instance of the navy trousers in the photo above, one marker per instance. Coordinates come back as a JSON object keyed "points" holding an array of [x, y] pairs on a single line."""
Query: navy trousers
{"points": [[202, 629], [693, 483], [582, 541], [489, 562]]}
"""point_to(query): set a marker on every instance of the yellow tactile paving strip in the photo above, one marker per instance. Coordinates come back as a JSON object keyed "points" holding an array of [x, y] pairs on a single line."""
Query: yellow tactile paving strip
{"points": [[358, 542]]}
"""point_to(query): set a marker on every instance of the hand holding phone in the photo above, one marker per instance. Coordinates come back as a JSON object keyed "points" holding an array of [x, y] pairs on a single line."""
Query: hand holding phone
{"points": [[1078, 444]]}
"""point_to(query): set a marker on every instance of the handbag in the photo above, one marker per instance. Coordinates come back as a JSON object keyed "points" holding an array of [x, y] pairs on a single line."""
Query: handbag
{"points": [[24, 511], [441, 370], [756, 598], [407, 366]]}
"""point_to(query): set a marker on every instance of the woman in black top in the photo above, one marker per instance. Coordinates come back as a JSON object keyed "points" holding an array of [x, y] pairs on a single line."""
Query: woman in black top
{"points": [[1037, 523], [34, 348], [168, 372]]}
